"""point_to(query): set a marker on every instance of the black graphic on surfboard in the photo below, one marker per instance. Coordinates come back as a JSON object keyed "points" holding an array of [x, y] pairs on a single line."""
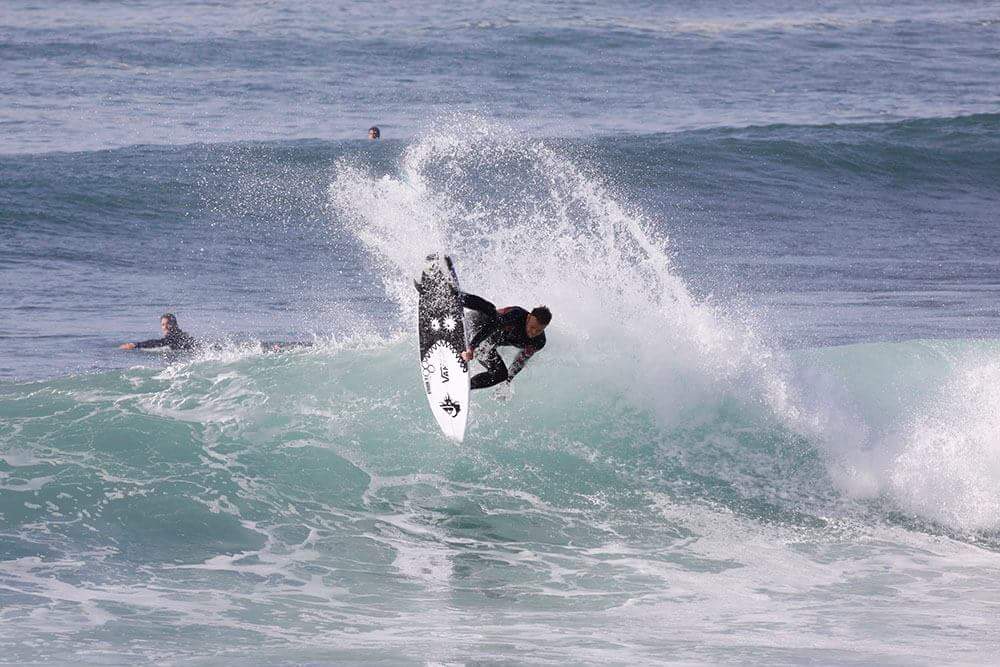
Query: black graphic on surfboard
{"points": [[441, 331], [440, 317], [450, 406]]}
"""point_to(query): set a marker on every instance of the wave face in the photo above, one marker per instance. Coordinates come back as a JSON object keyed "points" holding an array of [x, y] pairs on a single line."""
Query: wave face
{"points": [[670, 478], [627, 316], [305, 503], [832, 234]]}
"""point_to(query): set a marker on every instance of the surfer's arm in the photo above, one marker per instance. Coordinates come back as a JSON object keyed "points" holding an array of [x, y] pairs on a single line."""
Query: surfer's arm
{"points": [[485, 332], [153, 342], [519, 361], [526, 353]]}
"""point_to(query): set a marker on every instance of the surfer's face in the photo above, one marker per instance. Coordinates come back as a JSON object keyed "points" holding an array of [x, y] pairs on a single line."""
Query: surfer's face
{"points": [[533, 327], [165, 326]]}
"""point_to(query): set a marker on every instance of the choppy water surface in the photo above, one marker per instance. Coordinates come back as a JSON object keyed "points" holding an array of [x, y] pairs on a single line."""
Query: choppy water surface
{"points": [[765, 428]]}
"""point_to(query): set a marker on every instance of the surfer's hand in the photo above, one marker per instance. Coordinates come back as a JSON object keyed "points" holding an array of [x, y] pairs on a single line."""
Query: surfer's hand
{"points": [[127, 346], [468, 354]]}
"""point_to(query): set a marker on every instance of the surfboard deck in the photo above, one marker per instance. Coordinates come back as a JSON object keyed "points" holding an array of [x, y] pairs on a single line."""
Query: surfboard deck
{"points": [[441, 330]]}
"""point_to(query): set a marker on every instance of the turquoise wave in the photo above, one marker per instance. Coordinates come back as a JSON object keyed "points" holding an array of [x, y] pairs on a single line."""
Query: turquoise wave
{"points": [[186, 463], [306, 501]]}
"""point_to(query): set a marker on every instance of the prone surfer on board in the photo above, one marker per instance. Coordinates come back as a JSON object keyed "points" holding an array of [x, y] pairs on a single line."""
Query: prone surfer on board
{"points": [[494, 327], [173, 337]]}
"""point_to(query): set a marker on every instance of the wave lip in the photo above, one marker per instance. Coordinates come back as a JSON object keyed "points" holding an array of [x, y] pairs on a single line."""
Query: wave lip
{"points": [[622, 305]]}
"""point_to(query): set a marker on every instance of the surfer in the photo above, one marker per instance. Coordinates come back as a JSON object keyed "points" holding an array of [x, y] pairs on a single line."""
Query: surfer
{"points": [[374, 132], [173, 337], [494, 327]]}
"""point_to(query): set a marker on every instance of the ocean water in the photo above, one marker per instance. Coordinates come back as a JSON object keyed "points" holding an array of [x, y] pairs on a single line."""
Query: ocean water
{"points": [[766, 427]]}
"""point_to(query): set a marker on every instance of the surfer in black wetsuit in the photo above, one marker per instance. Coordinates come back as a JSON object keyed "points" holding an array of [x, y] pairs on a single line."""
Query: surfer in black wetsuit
{"points": [[494, 326], [173, 337]]}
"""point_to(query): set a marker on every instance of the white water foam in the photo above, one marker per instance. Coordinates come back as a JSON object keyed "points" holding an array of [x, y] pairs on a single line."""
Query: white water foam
{"points": [[527, 225], [947, 464]]}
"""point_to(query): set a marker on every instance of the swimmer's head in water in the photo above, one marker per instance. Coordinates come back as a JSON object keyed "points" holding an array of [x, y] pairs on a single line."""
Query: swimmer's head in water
{"points": [[168, 323], [374, 132]]}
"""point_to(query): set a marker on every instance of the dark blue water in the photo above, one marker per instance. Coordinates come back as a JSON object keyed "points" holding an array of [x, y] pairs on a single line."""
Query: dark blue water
{"points": [[765, 427], [80, 75]]}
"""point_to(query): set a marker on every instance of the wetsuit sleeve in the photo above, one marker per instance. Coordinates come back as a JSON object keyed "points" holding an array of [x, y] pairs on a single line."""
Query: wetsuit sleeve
{"points": [[153, 342], [490, 321], [485, 332], [522, 358]]}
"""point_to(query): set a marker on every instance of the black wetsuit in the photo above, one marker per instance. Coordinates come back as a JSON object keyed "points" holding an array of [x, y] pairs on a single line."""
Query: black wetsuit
{"points": [[500, 326], [175, 340]]}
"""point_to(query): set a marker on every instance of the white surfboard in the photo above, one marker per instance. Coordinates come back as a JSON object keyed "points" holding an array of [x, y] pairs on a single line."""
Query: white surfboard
{"points": [[441, 330]]}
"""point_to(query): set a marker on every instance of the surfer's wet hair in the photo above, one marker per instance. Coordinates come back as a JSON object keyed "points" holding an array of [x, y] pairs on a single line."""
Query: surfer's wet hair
{"points": [[542, 314], [171, 320]]}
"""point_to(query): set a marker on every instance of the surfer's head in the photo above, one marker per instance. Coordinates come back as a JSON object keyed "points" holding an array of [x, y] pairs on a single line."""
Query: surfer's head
{"points": [[538, 319], [374, 132], [168, 323]]}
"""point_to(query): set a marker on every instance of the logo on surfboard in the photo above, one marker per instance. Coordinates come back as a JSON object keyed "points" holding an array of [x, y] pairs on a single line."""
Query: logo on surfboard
{"points": [[440, 330], [450, 407]]}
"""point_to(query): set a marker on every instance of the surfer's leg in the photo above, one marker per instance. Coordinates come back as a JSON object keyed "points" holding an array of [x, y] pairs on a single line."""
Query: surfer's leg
{"points": [[496, 371]]}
